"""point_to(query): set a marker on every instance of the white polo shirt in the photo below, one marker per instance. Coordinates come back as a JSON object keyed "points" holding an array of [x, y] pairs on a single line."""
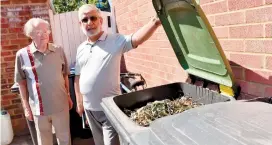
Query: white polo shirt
{"points": [[98, 65]]}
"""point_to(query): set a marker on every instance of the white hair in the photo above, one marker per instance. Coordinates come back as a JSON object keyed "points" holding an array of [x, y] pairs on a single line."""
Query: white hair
{"points": [[32, 23], [87, 7]]}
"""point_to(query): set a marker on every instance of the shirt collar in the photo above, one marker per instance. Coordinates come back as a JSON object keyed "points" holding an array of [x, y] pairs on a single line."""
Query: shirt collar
{"points": [[51, 47], [101, 38], [33, 48]]}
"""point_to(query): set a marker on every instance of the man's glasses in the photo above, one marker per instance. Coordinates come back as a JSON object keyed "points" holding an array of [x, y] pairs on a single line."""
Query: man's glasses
{"points": [[47, 32], [86, 19]]}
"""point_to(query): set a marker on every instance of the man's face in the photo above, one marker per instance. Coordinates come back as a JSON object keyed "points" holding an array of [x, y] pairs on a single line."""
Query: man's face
{"points": [[91, 23], [40, 34]]}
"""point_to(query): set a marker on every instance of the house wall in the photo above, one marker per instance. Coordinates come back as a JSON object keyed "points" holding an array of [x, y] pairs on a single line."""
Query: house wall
{"points": [[243, 27]]}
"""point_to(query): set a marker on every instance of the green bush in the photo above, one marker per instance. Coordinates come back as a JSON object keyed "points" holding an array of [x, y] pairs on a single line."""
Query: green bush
{"points": [[62, 6]]}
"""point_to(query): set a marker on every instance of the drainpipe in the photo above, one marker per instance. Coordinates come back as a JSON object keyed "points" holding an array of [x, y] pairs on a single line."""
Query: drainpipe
{"points": [[51, 6], [113, 18]]}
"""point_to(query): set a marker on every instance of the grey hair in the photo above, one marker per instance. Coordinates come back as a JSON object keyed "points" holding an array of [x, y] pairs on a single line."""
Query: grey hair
{"points": [[32, 23], [88, 7]]}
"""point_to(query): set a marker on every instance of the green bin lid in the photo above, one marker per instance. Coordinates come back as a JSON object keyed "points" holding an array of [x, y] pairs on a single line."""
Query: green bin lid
{"points": [[193, 40]]}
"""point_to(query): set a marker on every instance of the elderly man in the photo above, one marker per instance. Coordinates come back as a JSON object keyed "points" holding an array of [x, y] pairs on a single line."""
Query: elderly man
{"points": [[42, 74], [98, 69]]}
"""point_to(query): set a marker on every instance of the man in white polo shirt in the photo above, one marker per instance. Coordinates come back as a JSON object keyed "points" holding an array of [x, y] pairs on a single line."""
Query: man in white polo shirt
{"points": [[97, 69]]}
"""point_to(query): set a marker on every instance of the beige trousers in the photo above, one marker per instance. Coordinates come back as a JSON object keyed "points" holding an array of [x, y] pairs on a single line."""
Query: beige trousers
{"points": [[61, 123]]}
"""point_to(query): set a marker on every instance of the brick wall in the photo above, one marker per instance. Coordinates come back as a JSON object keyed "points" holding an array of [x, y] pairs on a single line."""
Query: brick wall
{"points": [[244, 28], [14, 14]]}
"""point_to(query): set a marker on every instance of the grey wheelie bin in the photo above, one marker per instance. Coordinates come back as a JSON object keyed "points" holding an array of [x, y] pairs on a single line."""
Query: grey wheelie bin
{"points": [[126, 128]]}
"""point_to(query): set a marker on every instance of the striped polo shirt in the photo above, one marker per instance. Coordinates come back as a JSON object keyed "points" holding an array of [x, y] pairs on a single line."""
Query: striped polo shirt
{"points": [[47, 92]]}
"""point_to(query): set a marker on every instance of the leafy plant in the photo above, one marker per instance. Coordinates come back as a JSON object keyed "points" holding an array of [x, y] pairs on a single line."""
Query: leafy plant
{"points": [[62, 6]]}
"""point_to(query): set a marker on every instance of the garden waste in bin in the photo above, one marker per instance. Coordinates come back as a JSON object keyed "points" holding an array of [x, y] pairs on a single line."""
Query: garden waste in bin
{"points": [[199, 53]]}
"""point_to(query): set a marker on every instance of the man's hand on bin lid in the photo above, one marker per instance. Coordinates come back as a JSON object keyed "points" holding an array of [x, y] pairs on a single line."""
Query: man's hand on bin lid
{"points": [[156, 20]]}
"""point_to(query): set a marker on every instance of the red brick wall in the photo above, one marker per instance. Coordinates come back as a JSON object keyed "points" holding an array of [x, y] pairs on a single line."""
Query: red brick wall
{"points": [[14, 14], [244, 28]]}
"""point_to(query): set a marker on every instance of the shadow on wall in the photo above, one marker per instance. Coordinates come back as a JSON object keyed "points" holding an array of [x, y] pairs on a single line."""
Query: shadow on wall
{"points": [[253, 83]]}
